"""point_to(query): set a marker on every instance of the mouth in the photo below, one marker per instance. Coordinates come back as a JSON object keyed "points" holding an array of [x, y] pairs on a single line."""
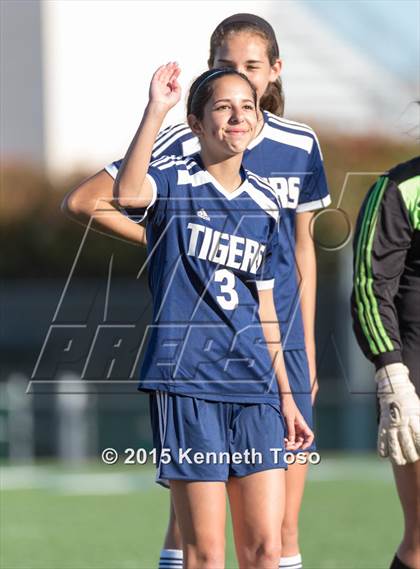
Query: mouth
{"points": [[236, 132]]}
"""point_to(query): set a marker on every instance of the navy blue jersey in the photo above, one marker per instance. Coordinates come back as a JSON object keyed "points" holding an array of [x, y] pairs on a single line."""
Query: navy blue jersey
{"points": [[287, 155], [209, 251]]}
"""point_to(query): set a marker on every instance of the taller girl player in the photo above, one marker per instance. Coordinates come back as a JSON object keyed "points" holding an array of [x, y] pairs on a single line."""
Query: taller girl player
{"points": [[288, 154]]}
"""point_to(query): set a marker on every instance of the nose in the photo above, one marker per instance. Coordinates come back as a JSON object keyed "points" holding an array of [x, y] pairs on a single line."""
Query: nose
{"points": [[237, 115]]}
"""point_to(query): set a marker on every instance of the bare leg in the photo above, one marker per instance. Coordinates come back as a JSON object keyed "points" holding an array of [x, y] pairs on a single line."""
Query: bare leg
{"points": [[257, 507], [173, 539], [407, 479], [295, 484], [200, 509]]}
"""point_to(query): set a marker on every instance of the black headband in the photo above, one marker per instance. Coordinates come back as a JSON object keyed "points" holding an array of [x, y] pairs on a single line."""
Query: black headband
{"points": [[253, 20], [209, 76]]}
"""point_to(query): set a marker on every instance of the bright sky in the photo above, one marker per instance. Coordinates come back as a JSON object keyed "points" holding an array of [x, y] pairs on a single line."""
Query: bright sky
{"points": [[99, 56], [387, 30]]}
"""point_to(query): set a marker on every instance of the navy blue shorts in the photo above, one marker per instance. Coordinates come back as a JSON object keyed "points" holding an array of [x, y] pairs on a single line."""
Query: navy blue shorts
{"points": [[200, 440], [297, 369]]}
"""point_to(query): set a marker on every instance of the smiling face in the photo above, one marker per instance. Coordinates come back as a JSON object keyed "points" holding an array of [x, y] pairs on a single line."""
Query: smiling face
{"points": [[246, 52], [229, 118]]}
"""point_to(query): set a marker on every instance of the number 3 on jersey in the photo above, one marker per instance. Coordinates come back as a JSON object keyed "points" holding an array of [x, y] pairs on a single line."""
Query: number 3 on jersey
{"points": [[230, 299]]}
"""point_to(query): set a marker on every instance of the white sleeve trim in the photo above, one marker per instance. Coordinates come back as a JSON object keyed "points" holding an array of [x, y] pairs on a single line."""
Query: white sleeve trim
{"points": [[112, 170], [154, 198], [265, 285], [316, 204]]}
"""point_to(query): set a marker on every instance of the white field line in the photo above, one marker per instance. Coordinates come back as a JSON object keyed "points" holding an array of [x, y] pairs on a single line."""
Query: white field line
{"points": [[78, 482]]}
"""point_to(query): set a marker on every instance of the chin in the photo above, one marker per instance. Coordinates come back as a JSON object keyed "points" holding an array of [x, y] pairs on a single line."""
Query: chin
{"points": [[237, 147]]}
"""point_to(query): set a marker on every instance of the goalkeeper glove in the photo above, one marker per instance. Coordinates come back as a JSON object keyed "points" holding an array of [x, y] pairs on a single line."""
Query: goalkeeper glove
{"points": [[399, 426]]}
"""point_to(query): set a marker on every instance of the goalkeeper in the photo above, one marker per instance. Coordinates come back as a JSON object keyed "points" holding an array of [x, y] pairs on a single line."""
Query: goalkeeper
{"points": [[386, 317]]}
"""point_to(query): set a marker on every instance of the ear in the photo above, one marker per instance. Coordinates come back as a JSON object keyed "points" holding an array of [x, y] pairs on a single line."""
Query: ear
{"points": [[275, 70], [194, 124]]}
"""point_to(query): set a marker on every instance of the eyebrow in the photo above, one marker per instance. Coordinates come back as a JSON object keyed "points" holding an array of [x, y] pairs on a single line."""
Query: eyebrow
{"points": [[228, 100], [248, 61]]}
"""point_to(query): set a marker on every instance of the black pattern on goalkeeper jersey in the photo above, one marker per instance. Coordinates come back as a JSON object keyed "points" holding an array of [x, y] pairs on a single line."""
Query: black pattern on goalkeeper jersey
{"points": [[385, 301]]}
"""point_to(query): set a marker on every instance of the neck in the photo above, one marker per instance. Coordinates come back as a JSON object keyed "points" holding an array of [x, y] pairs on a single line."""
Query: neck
{"points": [[260, 124], [225, 170]]}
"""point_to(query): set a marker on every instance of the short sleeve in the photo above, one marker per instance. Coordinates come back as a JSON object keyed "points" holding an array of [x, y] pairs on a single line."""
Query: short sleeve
{"points": [[160, 182], [314, 193], [267, 270], [136, 214]]}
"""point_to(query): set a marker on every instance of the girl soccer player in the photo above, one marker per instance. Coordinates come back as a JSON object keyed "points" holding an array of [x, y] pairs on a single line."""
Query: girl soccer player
{"points": [[287, 153], [212, 237]]}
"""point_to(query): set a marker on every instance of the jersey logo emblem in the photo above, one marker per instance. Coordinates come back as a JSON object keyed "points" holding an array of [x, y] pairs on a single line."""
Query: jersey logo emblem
{"points": [[203, 214]]}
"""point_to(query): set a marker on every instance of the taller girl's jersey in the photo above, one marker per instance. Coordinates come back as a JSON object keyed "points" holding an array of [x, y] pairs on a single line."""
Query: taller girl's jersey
{"points": [[287, 155], [209, 251]]}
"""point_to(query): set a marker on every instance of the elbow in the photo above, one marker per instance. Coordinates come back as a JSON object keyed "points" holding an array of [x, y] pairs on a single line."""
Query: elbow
{"points": [[76, 206], [71, 205]]}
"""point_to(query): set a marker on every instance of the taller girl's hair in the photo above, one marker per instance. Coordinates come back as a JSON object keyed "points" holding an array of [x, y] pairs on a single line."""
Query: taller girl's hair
{"points": [[201, 90], [273, 98]]}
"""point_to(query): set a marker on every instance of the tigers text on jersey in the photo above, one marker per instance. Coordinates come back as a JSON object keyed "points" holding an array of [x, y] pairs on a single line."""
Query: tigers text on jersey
{"points": [[209, 251], [287, 155]]}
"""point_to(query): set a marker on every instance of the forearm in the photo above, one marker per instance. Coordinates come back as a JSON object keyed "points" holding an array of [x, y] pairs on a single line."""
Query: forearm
{"points": [[306, 265], [108, 220], [306, 275], [132, 173], [91, 203]]}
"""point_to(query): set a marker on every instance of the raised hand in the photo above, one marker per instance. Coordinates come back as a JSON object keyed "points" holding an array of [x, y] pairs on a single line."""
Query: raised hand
{"points": [[164, 87]]}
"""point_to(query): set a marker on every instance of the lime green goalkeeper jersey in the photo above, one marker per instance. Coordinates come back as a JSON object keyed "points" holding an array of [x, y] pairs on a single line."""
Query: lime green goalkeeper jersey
{"points": [[386, 286]]}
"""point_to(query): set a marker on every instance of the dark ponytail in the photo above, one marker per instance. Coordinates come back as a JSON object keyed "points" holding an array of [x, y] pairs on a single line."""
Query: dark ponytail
{"points": [[273, 98]]}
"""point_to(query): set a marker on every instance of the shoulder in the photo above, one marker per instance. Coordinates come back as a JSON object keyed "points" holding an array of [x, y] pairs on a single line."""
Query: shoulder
{"points": [[261, 191], [175, 170], [405, 171], [176, 137], [167, 161], [292, 133]]}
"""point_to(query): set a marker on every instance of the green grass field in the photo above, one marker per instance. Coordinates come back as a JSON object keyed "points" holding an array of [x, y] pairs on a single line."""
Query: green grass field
{"points": [[109, 517]]}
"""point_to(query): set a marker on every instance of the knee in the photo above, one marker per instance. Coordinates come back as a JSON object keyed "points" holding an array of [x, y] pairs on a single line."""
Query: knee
{"points": [[266, 553]]}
